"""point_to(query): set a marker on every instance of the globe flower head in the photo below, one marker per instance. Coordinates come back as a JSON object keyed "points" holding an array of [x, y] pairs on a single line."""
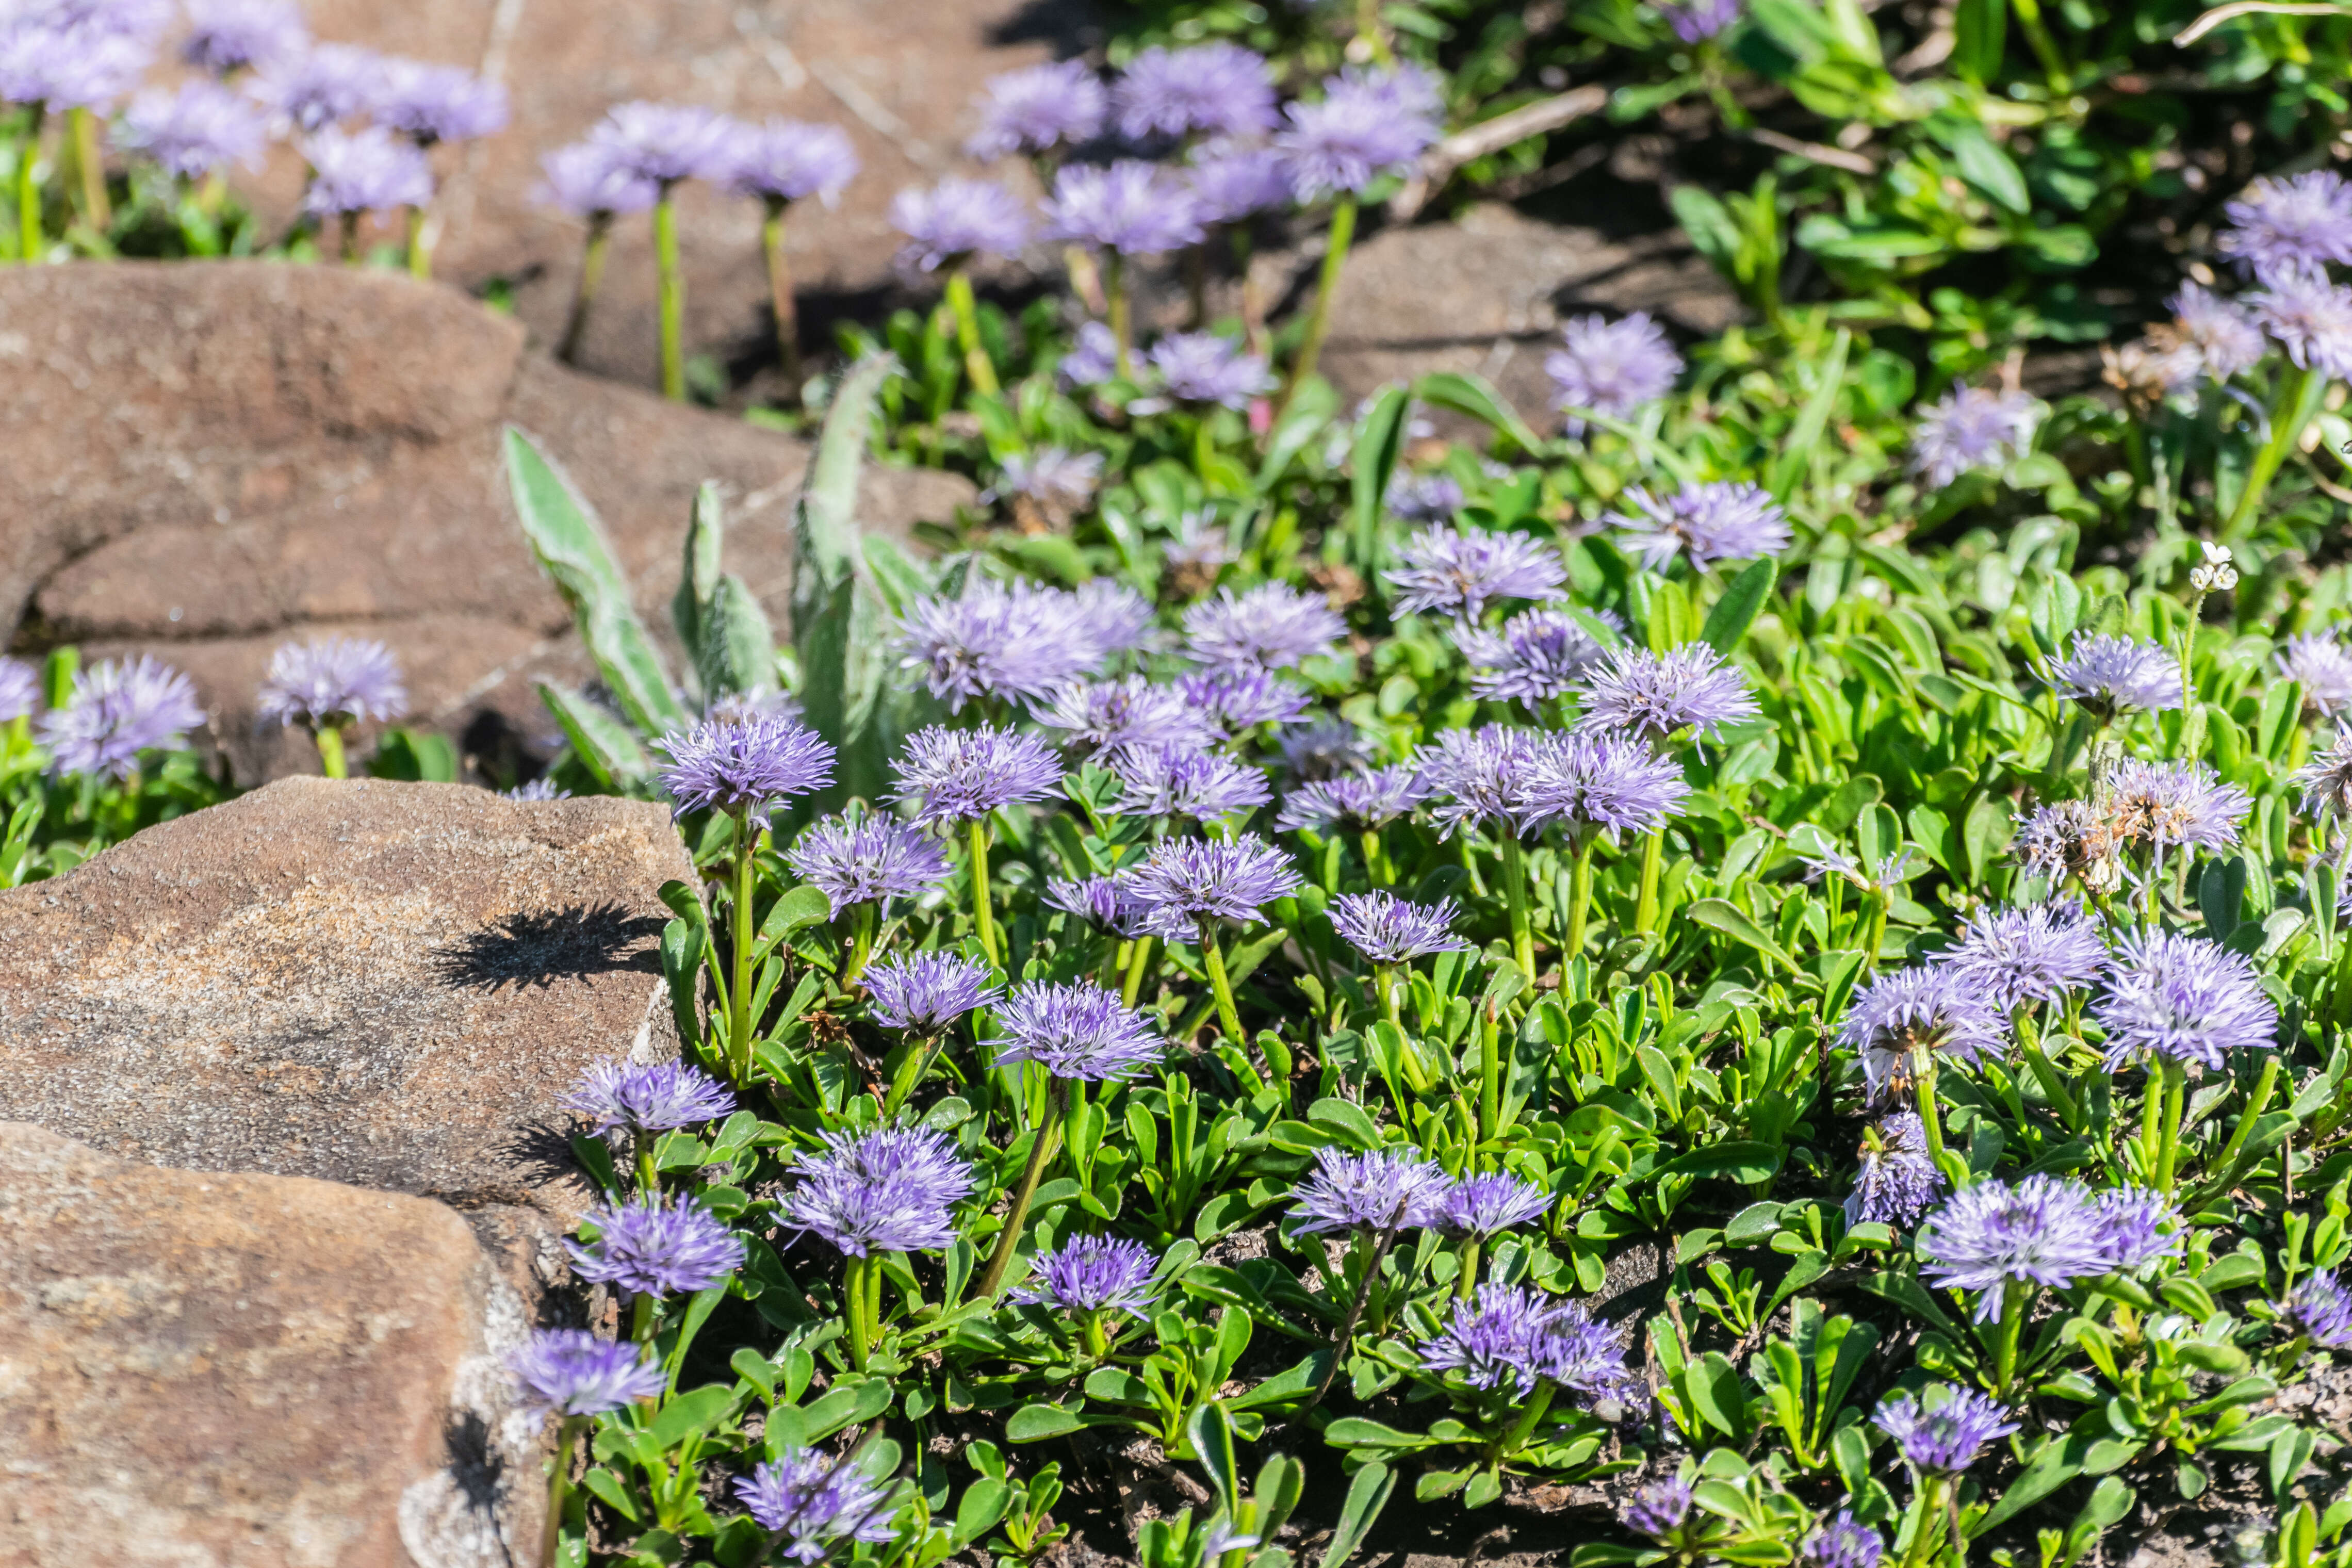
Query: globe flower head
{"points": [[1489, 774], [1380, 1191], [1658, 1509], [889, 1190], [657, 1246], [1016, 641], [1461, 571], [2185, 998], [2034, 954], [332, 682], [195, 130], [866, 859], [1182, 781], [1947, 1439], [666, 142], [2111, 675], [1510, 1336], [2294, 225], [1725, 520], [1088, 1275], [1209, 89], [1696, 21], [1362, 129], [1358, 802], [2311, 319], [1131, 207], [2070, 837], [1610, 368], [367, 170], [1092, 360], [1909, 1014], [790, 161], [955, 220], [926, 992], [67, 61], [229, 35], [2040, 1231], [1842, 1542], [118, 710], [1326, 750], [1231, 182], [1186, 881], [1536, 655], [1036, 109], [569, 1371], [1103, 902], [1099, 715], [2176, 803], [434, 103], [1387, 929], [1655, 695], [1425, 498], [322, 85], [653, 1097], [1076, 1031], [2326, 779], [813, 1503], [20, 690], [2323, 667], [2135, 1227], [1203, 368], [2321, 1310], [1271, 627], [2226, 339], [745, 769], [1241, 699], [1487, 1206], [963, 775], [1970, 428], [1606, 781], [1895, 1181], [590, 179]]}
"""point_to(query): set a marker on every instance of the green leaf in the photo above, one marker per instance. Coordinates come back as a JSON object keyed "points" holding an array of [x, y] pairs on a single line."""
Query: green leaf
{"points": [[691, 1414], [1979, 33], [1797, 449], [597, 737], [1211, 1435], [1474, 396], [1728, 618], [1035, 1423], [1380, 441], [1358, 1432], [1368, 1494], [706, 535], [1722, 915]]}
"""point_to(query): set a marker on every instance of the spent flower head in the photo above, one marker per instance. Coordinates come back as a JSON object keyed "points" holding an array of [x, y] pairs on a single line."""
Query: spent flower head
{"points": [[866, 859], [1461, 571], [647, 1097], [331, 682], [2185, 998], [926, 992], [1036, 109], [657, 1246], [744, 768], [2176, 803], [1704, 523], [1076, 1031], [570, 1372], [1610, 368]]}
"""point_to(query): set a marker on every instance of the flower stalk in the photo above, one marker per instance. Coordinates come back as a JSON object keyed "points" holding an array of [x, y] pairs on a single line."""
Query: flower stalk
{"points": [[744, 936], [672, 301], [1318, 319], [966, 311], [559, 1487], [591, 279], [1048, 1136], [780, 296], [1228, 1016], [983, 921], [1515, 898], [28, 189]]}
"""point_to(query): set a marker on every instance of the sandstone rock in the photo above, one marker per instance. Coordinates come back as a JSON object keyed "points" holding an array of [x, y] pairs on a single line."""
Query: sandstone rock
{"points": [[387, 984], [203, 1371], [1488, 293], [210, 457]]}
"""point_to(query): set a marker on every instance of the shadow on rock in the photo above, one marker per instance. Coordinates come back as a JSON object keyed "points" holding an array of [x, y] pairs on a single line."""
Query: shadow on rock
{"points": [[538, 949]]}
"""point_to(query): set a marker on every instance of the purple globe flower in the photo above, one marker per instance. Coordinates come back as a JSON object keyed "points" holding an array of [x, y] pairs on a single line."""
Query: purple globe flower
{"points": [[630, 1097], [1425, 498], [1060, 482], [367, 170], [2323, 667], [1357, 803], [2321, 1310], [1842, 1542], [744, 769], [197, 129], [20, 690], [659, 1247], [790, 161], [2311, 319], [886, 1191], [1271, 627], [2136, 1227], [1610, 368], [332, 682], [1102, 902], [1186, 881], [2041, 1231], [1131, 207], [118, 709], [926, 992], [229, 35], [64, 62], [1538, 655], [1014, 641], [1092, 360], [866, 859], [1387, 929], [2183, 997], [1076, 1031], [2227, 338], [1129, 712], [1182, 781], [813, 1503], [1727, 519], [1461, 571], [1483, 1206], [590, 179], [957, 220], [2033, 954], [1383, 1190], [1211, 89], [2326, 779], [322, 85], [1231, 182], [1036, 109], [434, 103], [2298, 226], [666, 142], [1947, 1439], [1509, 1336], [2111, 675], [569, 1371], [1895, 1181], [1091, 1275], [1240, 699], [963, 775], [1324, 749], [1658, 1509], [1606, 783], [1111, 617], [1203, 368], [1363, 128], [1489, 774], [1655, 695], [1902, 1016], [1696, 21], [2176, 803], [1970, 428]]}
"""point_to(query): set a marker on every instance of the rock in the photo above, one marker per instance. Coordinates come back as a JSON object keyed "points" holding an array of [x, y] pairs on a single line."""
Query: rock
{"points": [[385, 984], [212, 458], [1488, 293], [897, 76], [207, 1370]]}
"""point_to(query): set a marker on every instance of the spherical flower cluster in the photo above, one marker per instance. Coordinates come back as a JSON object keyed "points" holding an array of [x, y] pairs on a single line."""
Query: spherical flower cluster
{"points": [[2311, 319], [963, 775], [589, 180], [1074, 1031], [229, 35], [1130, 711], [1490, 774], [926, 992], [630, 1097], [118, 709], [1487, 1206], [1387, 929], [1383, 1190], [1271, 627], [20, 690], [1131, 207], [1180, 780], [367, 170], [1241, 699], [1656, 695], [886, 1191], [1363, 127], [813, 1503], [71, 58], [957, 220], [332, 682], [657, 1246], [1843, 1542], [2175, 803], [1607, 782], [2225, 338], [1970, 428], [1212, 89], [2183, 997], [2298, 226], [1091, 1275], [2110, 675], [1205, 369], [1895, 1181], [1001, 640], [866, 859], [1460, 571], [2069, 837], [2326, 779], [1696, 21], [1185, 881], [1536, 655], [2323, 667], [747, 769], [2137, 1227], [2321, 1310], [197, 129], [1358, 802], [1509, 1336], [1102, 902], [790, 161], [1610, 368], [1036, 109], [1110, 616], [1425, 498], [2038, 1231], [666, 142], [1947, 1439], [1232, 181], [434, 103], [1902, 1016], [569, 1371], [1725, 520], [1658, 1509], [313, 88], [2033, 954], [1323, 750]]}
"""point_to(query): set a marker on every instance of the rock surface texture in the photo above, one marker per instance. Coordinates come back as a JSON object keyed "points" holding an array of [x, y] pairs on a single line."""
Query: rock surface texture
{"points": [[209, 458], [208, 1370]]}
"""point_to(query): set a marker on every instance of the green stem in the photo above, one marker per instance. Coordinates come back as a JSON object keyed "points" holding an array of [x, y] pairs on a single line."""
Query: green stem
{"points": [[2176, 1107], [559, 1487], [1384, 980], [1121, 311], [984, 921], [1466, 1286], [648, 1176], [351, 227], [853, 1290], [1876, 930], [1580, 896], [330, 751], [1214, 962], [673, 298], [862, 922], [2053, 1084], [420, 255], [910, 1073], [2295, 400], [592, 278], [2014, 1306], [2151, 1122], [1039, 1152], [1374, 37], [1653, 857], [641, 1316], [743, 936], [1926, 1504], [1490, 1078], [1515, 899], [1318, 321], [2045, 47], [2259, 1101], [1923, 1086], [28, 191], [90, 158], [1524, 1427], [1138, 963], [1098, 1342], [780, 296], [966, 311], [1376, 858]]}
